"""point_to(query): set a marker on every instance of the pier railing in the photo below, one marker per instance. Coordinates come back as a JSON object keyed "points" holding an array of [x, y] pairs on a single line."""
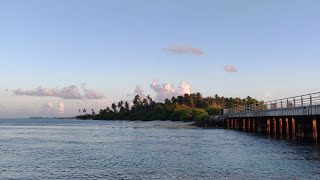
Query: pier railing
{"points": [[290, 102]]}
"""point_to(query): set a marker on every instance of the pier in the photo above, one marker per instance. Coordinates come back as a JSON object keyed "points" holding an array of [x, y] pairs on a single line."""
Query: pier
{"points": [[296, 118]]}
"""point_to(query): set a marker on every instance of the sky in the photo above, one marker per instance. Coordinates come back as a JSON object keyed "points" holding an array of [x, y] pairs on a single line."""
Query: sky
{"points": [[57, 56]]}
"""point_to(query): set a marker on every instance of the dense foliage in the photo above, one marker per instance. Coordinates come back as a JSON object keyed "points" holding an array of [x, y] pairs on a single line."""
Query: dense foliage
{"points": [[189, 107]]}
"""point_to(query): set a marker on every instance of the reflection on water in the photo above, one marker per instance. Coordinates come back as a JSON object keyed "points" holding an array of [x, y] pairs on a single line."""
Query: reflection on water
{"points": [[73, 149]]}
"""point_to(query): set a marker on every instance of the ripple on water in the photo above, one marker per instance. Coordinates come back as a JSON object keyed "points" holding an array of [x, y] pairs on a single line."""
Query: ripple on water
{"points": [[71, 149]]}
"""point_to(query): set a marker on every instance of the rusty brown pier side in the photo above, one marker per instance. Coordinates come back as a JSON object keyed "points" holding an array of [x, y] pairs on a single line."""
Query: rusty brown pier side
{"points": [[296, 118]]}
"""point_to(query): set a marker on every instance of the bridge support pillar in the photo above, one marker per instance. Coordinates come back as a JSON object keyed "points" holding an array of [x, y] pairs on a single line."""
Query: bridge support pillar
{"points": [[274, 129], [253, 125], [293, 128], [287, 128], [248, 125], [261, 125], [231, 127], [258, 125], [244, 124], [268, 126], [314, 129], [299, 126], [280, 126]]}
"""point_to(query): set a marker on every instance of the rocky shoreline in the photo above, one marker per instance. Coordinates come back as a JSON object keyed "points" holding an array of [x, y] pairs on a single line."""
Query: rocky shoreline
{"points": [[211, 122]]}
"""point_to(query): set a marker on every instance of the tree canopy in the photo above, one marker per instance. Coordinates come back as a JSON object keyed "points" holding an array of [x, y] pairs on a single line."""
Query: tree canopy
{"points": [[188, 107]]}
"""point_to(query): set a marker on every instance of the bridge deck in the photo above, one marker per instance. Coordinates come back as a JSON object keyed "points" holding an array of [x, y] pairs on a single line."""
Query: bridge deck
{"points": [[294, 111], [304, 105], [295, 117]]}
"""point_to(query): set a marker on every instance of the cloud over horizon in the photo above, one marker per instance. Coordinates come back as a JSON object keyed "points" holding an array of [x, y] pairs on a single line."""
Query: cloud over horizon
{"points": [[61, 108], [163, 91], [167, 90], [139, 91], [68, 92], [230, 68], [184, 49], [51, 110]]}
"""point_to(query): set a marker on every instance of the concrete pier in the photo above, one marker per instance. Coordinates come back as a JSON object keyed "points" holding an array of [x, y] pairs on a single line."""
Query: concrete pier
{"points": [[248, 125], [287, 128], [254, 125], [268, 126], [280, 125], [314, 129], [274, 129], [244, 124], [293, 128], [296, 118]]}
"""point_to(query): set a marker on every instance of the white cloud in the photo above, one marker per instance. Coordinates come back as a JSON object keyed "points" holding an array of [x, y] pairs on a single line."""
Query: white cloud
{"points": [[91, 94], [185, 88], [184, 49], [167, 90], [50, 105], [61, 108], [51, 110], [68, 92], [48, 110], [230, 68], [139, 91]]}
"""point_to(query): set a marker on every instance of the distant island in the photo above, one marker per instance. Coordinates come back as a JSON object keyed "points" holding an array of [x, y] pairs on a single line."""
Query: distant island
{"points": [[189, 107], [51, 117]]}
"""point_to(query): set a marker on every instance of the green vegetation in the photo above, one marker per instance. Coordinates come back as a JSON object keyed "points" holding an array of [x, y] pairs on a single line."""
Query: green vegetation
{"points": [[190, 107]]}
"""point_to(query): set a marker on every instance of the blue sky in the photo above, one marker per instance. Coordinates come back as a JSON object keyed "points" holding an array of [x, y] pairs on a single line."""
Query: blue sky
{"points": [[114, 46]]}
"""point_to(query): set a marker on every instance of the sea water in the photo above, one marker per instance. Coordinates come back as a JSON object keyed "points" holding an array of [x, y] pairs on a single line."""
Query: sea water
{"points": [[78, 149]]}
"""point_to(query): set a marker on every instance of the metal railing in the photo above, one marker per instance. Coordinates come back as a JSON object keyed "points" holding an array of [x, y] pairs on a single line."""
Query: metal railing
{"points": [[291, 102]]}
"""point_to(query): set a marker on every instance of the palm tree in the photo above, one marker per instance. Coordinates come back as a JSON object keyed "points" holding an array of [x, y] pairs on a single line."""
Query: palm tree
{"points": [[149, 99], [126, 106], [84, 111], [145, 102], [136, 100], [120, 104], [114, 107]]}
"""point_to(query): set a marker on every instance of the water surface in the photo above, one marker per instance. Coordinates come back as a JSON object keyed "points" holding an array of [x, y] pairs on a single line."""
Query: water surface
{"points": [[76, 149]]}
